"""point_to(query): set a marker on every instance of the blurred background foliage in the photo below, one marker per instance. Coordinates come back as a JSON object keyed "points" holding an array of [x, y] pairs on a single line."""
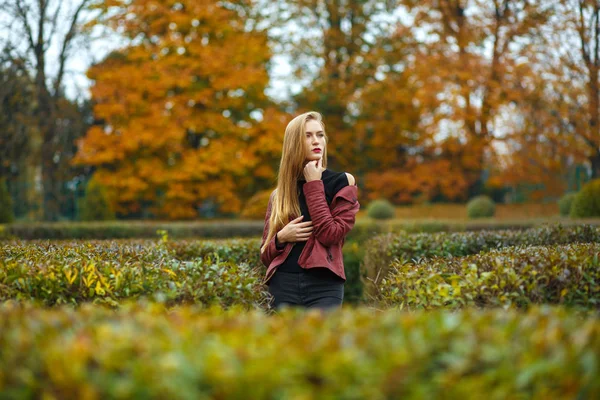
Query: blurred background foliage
{"points": [[424, 102]]}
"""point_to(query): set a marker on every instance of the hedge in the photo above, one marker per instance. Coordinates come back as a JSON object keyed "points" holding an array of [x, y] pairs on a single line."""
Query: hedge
{"points": [[383, 249], [42, 270], [363, 230], [144, 352], [73, 272], [132, 229], [512, 277]]}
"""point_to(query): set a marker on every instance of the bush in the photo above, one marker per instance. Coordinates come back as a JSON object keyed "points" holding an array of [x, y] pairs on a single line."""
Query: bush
{"points": [[110, 272], [353, 287], [6, 204], [381, 209], [134, 229], [144, 352], [383, 249], [511, 277], [139, 261], [586, 203], [363, 230], [481, 207], [95, 205], [564, 204]]}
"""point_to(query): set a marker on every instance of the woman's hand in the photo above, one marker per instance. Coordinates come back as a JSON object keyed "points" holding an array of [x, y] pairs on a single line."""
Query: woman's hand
{"points": [[295, 231], [313, 170]]}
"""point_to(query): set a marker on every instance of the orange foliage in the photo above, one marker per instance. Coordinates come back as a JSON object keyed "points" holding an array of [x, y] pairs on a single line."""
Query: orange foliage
{"points": [[462, 76], [182, 108]]}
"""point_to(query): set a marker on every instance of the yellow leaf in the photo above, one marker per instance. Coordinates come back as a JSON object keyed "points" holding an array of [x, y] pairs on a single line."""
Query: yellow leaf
{"points": [[169, 272]]}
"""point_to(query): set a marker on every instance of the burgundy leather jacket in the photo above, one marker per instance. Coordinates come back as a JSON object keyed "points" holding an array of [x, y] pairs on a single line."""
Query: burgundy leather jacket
{"points": [[331, 224]]}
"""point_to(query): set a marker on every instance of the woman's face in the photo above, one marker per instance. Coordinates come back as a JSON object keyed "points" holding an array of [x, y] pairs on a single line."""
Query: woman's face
{"points": [[315, 139]]}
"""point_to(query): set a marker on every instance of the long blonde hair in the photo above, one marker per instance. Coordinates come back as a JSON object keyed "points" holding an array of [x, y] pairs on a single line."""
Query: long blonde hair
{"points": [[285, 205]]}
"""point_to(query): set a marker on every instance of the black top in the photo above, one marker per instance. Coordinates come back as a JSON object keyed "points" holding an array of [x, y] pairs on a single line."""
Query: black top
{"points": [[332, 182]]}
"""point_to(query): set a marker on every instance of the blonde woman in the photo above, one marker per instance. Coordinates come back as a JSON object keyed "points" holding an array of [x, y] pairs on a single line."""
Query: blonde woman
{"points": [[308, 217]]}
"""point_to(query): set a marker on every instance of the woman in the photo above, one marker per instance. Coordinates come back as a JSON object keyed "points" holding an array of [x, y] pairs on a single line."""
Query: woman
{"points": [[308, 216]]}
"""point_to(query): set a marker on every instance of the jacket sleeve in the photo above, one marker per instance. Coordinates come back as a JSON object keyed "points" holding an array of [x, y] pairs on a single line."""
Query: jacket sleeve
{"points": [[329, 229], [271, 251]]}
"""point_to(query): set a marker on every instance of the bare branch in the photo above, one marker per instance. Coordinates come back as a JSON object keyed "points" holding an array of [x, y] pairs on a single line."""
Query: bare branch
{"points": [[43, 4], [19, 61], [65, 47], [54, 22], [22, 12]]}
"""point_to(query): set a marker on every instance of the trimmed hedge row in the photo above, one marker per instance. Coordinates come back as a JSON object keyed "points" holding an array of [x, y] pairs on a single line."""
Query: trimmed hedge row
{"points": [[511, 277], [235, 250], [363, 229], [145, 352], [131, 229], [145, 254], [383, 249], [108, 272]]}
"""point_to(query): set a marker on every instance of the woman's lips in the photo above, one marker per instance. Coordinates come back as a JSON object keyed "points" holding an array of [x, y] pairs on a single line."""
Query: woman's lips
{"points": [[316, 150]]}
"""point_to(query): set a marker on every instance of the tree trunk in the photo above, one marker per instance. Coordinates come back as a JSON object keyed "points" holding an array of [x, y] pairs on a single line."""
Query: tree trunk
{"points": [[595, 160], [47, 117], [593, 59], [50, 183]]}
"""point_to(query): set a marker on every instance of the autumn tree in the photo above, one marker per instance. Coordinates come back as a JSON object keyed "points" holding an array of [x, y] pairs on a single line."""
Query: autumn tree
{"points": [[395, 132], [573, 69], [473, 49], [333, 46], [17, 128], [534, 151], [31, 27], [556, 113], [185, 119]]}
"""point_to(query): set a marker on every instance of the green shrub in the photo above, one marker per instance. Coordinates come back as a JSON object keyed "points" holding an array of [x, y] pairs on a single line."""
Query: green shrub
{"points": [[109, 272], [363, 230], [235, 250], [142, 258], [381, 209], [383, 249], [481, 207], [353, 287], [6, 205], [135, 229], [510, 277], [143, 351], [95, 205], [565, 202], [586, 203]]}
